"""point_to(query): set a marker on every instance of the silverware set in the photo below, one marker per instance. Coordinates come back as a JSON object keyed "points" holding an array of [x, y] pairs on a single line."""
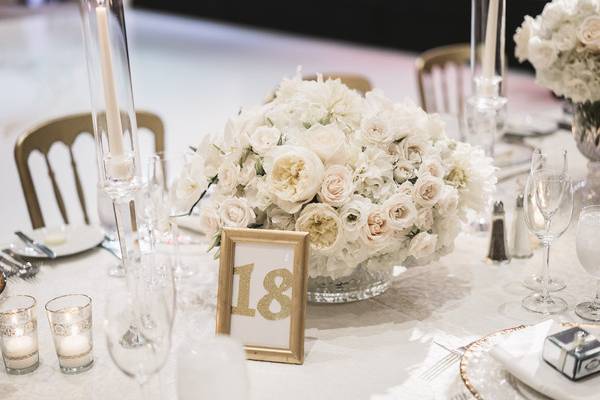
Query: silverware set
{"points": [[442, 364], [14, 265]]}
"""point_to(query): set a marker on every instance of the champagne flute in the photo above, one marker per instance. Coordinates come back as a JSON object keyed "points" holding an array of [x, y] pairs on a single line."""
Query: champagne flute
{"points": [[163, 207], [588, 252], [549, 160], [548, 209], [106, 217], [144, 309]]}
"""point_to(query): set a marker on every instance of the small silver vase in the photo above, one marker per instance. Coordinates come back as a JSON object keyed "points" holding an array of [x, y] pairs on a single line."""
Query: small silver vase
{"points": [[586, 132]]}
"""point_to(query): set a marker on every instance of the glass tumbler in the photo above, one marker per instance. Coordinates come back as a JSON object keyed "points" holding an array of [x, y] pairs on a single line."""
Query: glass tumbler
{"points": [[18, 335], [70, 318]]}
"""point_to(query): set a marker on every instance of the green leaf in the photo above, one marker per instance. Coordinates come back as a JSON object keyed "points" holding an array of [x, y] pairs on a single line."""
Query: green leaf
{"points": [[260, 171]]}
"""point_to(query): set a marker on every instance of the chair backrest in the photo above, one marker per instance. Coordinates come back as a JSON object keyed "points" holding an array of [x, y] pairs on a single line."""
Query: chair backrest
{"points": [[357, 82], [66, 130], [451, 62]]}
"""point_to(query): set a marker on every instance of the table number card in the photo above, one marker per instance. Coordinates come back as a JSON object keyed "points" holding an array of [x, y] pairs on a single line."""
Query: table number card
{"points": [[261, 298]]}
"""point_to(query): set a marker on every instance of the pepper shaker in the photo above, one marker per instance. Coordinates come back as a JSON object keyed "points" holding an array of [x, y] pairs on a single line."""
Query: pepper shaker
{"points": [[498, 250]]}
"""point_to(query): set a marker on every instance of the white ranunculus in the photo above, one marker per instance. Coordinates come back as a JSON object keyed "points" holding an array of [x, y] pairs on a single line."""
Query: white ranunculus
{"points": [[422, 245], [294, 176], [376, 130], [400, 211], [432, 166], [228, 177], [376, 230], [337, 185], [521, 38], [328, 142], [448, 204], [354, 215], [235, 212], [428, 190], [589, 32], [403, 171], [542, 53], [424, 219], [264, 139], [210, 222], [322, 224]]}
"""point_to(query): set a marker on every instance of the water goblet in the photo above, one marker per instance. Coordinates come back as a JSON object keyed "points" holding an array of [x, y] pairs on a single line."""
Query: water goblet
{"points": [[553, 160], [588, 253], [548, 209]]}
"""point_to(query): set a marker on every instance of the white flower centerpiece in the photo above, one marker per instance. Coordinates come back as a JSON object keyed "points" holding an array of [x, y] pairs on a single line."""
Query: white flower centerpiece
{"points": [[374, 183], [563, 45]]}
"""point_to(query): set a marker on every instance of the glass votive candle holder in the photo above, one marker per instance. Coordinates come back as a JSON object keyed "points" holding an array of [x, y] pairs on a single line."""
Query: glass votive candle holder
{"points": [[70, 318], [18, 335]]}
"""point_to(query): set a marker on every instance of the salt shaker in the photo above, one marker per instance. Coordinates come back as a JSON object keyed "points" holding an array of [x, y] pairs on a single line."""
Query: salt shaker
{"points": [[520, 245], [498, 250]]}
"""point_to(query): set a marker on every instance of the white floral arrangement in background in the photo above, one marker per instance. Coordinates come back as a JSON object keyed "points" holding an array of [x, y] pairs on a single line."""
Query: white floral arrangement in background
{"points": [[372, 182], [563, 45]]}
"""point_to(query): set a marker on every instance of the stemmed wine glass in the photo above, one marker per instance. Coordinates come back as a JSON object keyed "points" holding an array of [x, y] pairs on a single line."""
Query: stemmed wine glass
{"points": [[588, 252], [139, 320], [539, 160], [163, 209], [548, 209], [106, 217]]}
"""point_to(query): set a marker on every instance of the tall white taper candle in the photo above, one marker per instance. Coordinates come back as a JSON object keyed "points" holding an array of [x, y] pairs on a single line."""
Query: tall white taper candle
{"points": [[113, 114], [491, 34]]}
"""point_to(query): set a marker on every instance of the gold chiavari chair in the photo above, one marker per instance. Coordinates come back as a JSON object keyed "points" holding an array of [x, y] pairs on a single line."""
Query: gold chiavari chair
{"points": [[451, 62], [357, 82], [66, 130]]}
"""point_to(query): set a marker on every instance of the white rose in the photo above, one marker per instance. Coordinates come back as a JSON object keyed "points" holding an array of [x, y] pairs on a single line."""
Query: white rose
{"points": [[228, 177], [522, 37], [248, 171], [414, 148], [428, 190], [406, 188], [186, 193], [376, 229], [589, 32], [337, 185], [542, 53], [236, 213], [322, 224], [432, 166], [328, 142], [403, 171], [400, 211], [422, 245], [376, 130], [354, 215], [294, 176], [264, 139], [210, 222], [424, 219], [448, 204]]}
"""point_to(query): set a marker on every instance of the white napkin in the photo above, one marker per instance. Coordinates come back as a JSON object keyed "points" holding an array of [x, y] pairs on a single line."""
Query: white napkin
{"points": [[190, 222], [521, 354]]}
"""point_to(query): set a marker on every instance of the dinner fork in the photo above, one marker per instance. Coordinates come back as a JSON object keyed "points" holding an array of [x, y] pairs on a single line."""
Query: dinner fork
{"points": [[443, 364]]}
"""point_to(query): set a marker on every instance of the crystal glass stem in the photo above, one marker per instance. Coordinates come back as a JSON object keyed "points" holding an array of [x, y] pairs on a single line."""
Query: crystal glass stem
{"points": [[546, 271], [127, 232]]}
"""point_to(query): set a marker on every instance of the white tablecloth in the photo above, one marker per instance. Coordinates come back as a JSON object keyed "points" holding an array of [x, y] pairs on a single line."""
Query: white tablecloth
{"points": [[354, 350]]}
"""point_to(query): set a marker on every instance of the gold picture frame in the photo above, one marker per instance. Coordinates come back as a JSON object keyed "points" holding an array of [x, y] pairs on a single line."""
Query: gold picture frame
{"points": [[296, 305]]}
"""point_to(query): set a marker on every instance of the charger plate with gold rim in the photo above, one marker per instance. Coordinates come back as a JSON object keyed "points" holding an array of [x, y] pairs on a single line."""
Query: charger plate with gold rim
{"points": [[487, 379]]}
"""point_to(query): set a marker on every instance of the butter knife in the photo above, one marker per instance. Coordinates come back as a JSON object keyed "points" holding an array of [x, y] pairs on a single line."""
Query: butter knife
{"points": [[41, 248]]}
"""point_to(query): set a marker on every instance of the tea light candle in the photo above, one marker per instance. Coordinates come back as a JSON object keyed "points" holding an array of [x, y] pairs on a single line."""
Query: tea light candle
{"points": [[20, 352], [75, 351]]}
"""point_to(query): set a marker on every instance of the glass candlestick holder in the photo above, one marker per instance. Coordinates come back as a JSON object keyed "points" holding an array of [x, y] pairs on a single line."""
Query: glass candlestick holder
{"points": [[70, 319], [18, 335], [113, 114]]}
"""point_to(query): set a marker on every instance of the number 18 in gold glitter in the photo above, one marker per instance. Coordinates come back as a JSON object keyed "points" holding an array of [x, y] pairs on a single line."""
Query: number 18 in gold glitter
{"points": [[275, 292]]}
